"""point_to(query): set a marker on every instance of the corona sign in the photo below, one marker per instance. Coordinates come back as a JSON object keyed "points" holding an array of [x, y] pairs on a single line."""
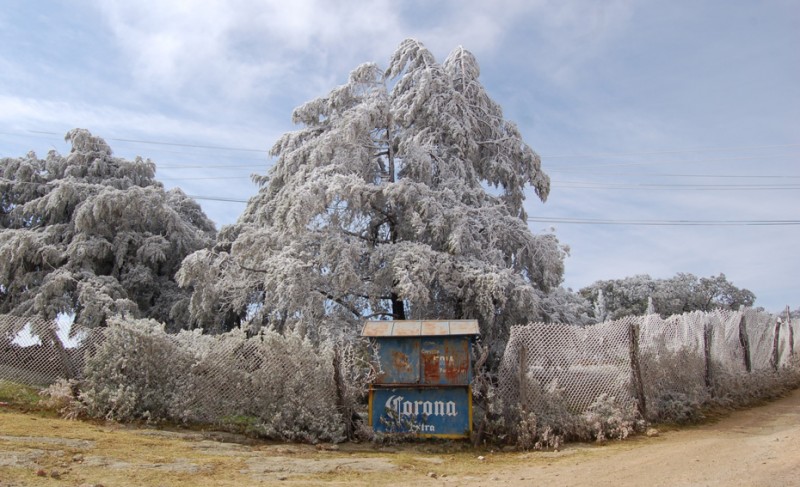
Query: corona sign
{"points": [[443, 412]]}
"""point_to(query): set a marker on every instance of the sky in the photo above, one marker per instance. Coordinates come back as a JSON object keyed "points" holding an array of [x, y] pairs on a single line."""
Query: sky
{"points": [[670, 130]]}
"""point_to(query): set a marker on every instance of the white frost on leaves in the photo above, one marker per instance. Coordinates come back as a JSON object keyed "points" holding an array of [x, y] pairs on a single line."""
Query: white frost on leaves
{"points": [[377, 207], [682, 293], [94, 235]]}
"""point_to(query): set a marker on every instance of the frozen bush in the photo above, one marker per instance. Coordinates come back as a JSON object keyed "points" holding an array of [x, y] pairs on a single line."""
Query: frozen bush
{"points": [[62, 396], [280, 386], [608, 420], [135, 374]]}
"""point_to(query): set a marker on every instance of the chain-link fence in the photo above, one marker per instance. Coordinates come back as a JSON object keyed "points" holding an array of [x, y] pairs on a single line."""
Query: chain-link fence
{"points": [[38, 352], [283, 386], [669, 369], [274, 385]]}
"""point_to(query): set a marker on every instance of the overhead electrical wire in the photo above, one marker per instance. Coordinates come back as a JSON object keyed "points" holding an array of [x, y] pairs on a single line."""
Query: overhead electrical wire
{"points": [[157, 142], [597, 221], [673, 151], [586, 185], [552, 156]]}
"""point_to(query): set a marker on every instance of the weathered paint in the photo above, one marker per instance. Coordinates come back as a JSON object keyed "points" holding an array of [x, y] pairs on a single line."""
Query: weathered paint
{"points": [[438, 412], [399, 361], [424, 361], [425, 371], [445, 361]]}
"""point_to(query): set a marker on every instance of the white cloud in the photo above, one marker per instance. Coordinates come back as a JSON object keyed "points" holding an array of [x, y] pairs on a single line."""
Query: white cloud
{"points": [[240, 48]]}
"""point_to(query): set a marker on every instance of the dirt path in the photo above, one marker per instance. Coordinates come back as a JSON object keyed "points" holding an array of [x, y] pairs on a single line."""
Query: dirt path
{"points": [[756, 447]]}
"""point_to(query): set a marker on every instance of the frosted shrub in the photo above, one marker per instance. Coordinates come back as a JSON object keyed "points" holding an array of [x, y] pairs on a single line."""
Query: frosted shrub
{"points": [[674, 384], [299, 396], [62, 396], [739, 390], [135, 373], [277, 386], [549, 422], [273, 385], [608, 420], [531, 435]]}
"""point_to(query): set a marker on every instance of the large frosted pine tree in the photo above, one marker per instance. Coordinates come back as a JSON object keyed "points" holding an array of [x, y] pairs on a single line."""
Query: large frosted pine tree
{"points": [[94, 235], [401, 196]]}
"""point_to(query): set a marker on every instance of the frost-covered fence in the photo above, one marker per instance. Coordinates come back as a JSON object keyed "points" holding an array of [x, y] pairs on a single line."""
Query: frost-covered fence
{"points": [[555, 381], [38, 352], [668, 369], [576, 365], [274, 385]]}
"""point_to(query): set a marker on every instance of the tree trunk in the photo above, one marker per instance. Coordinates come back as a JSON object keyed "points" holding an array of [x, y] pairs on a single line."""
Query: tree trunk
{"points": [[398, 307]]}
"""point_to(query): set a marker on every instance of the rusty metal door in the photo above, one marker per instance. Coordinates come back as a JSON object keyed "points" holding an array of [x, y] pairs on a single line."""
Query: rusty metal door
{"points": [[445, 361]]}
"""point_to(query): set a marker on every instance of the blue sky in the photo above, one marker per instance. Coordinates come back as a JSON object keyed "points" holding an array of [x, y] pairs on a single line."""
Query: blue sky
{"points": [[643, 111]]}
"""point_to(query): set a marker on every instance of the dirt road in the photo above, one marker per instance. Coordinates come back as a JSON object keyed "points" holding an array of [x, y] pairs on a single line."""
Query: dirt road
{"points": [[755, 447]]}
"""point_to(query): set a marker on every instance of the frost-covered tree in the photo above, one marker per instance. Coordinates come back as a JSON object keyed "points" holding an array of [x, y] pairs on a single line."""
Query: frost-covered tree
{"points": [[562, 305], [401, 196], [679, 294], [94, 235]]}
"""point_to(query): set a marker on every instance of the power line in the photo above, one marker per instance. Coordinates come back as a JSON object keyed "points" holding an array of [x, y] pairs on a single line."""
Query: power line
{"points": [[674, 151], [218, 166], [174, 144], [204, 178], [687, 161], [589, 155], [685, 187], [592, 221], [217, 198], [578, 221], [673, 175]]}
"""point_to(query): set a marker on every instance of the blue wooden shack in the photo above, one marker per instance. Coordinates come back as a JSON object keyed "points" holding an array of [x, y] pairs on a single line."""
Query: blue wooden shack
{"points": [[423, 384]]}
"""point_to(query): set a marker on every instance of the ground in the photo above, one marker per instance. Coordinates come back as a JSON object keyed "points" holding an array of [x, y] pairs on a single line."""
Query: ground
{"points": [[754, 447]]}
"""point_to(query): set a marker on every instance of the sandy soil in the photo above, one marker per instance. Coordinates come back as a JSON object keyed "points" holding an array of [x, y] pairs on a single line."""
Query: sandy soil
{"points": [[755, 447]]}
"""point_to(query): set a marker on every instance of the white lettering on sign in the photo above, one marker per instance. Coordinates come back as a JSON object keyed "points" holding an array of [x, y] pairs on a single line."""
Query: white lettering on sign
{"points": [[399, 405]]}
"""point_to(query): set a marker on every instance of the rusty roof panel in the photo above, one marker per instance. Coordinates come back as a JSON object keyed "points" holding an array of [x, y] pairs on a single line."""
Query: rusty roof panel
{"points": [[406, 328], [420, 328], [433, 328], [464, 327], [378, 328]]}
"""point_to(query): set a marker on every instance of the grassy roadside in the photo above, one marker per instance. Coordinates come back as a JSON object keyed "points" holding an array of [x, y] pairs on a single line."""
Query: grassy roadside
{"points": [[37, 448]]}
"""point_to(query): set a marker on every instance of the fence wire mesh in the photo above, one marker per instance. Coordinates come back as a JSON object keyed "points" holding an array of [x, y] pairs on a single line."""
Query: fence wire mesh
{"points": [[283, 386], [578, 364], [272, 384], [669, 367], [38, 352]]}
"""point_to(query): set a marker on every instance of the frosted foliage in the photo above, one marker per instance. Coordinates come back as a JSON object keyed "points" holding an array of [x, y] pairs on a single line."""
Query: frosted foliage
{"points": [[378, 206], [641, 294], [274, 385], [94, 234]]}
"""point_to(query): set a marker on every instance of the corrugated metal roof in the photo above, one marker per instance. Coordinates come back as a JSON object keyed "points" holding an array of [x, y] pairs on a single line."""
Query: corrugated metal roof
{"points": [[420, 328]]}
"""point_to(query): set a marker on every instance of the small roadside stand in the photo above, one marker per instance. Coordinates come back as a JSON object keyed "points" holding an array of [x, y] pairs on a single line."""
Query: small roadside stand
{"points": [[423, 383]]}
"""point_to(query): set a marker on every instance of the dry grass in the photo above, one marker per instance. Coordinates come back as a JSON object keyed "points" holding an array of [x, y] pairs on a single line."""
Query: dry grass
{"points": [[84, 452]]}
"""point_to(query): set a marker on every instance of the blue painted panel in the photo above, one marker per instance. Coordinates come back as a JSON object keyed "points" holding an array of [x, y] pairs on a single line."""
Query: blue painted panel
{"points": [[427, 411], [399, 360], [445, 361]]}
